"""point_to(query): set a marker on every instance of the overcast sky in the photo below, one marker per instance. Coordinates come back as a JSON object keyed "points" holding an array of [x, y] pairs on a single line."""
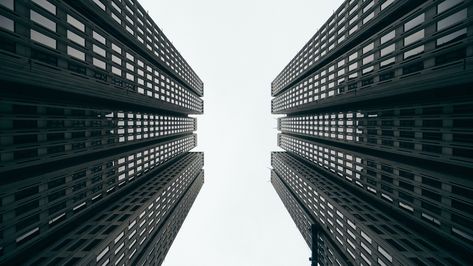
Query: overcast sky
{"points": [[237, 48]]}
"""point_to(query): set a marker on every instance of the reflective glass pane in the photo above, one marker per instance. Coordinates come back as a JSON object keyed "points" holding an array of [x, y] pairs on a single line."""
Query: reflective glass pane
{"points": [[43, 39], [43, 21], [452, 20]]}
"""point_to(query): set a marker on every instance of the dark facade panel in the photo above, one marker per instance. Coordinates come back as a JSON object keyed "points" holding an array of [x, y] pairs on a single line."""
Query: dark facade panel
{"points": [[428, 197], [352, 22], [429, 47], [34, 208], [122, 229], [363, 232], [439, 130], [64, 51]]}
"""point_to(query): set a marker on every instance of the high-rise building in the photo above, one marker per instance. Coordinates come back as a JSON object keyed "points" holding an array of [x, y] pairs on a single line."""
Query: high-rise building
{"points": [[377, 124], [95, 134]]}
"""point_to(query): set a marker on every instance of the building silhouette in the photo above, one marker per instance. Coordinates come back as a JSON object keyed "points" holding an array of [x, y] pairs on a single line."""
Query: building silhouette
{"points": [[95, 134], [377, 133]]}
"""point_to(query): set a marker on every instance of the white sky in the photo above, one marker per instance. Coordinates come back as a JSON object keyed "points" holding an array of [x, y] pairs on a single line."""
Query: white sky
{"points": [[237, 48]]}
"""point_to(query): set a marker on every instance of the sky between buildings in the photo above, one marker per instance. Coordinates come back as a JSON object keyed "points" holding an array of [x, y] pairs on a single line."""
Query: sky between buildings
{"points": [[237, 48]]}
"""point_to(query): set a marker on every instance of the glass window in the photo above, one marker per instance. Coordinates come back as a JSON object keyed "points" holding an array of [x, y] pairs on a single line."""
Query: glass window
{"points": [[352, 66], [43, 39], [7, 23], [116, 71], [75, 23], [447, 4], [368, 48], [368, 59], [368, 6], [99, 63], [352, 56], [385, 254], [10, 4], [98, 50], [452, 37], [75, 53], [130, 56], [46, 5], [98, 37], [387, 62], [414, 51], [388, 36], [417, 36], [386, 4], [75, 38], [452, 20], [116, 59], [387, 50], [414, 22], [43, 21], [100, 4], [368, 18], [116, 48]]}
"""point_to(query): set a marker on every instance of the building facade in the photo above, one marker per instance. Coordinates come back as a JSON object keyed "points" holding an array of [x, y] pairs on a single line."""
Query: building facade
{"points": [[376, 123], [95, 134]]}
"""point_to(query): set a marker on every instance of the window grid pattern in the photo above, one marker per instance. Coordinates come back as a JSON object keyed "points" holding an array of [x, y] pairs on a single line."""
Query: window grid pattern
{"points": [[116, 234], [351, 18], [388, 56], [327, 254], [426, 196], [131, 17], [88, 52], [36, 205], [158, 248], [35, 132], [435, 131], [363, 232]]}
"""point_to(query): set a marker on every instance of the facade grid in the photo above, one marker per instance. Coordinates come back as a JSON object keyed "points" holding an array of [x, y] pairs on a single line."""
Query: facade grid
{"points": [[375, 115], [95, 134]]}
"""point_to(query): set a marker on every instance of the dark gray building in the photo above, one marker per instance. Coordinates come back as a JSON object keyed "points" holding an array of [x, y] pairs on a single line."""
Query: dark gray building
{"points": [[378, 135], [95, 134]]}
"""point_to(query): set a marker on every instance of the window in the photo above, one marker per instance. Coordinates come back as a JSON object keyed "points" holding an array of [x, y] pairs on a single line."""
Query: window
{"points": [[98, 50], [8, 4], [447, 4], [7, 23], [387, 50], [386, 4], [385, 254], [414, 37], [414, 22], [75, 53], [116, 60], [389, 36], [43, 39], [43, 21], [452, 20], [100, 4], [452, 37], [75, 38], [75, 23], [368, 48], [116, 48], [368, 59], [116, 71], [46, 5], [414, 51], [98, 37]]}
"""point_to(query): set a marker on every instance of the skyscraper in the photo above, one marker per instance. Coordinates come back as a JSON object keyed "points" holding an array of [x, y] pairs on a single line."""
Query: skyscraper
{"points": [[95, 134], [378, 135]]}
